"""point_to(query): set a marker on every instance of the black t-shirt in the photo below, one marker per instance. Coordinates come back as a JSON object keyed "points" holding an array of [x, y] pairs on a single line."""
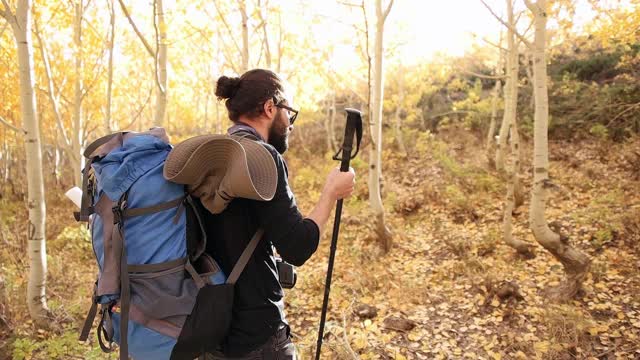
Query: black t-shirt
{"points": [[258, 308]]}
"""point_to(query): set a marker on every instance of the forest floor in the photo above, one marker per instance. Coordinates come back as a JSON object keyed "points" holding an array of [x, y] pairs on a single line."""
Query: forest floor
{"points": [[439, 293]]}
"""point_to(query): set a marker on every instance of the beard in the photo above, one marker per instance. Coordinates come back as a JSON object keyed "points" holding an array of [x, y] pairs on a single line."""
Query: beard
{"points": [[279, 136]]}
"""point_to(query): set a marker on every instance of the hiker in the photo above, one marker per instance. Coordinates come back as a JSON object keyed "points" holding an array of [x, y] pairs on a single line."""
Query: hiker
{"points": [[258, 106]]}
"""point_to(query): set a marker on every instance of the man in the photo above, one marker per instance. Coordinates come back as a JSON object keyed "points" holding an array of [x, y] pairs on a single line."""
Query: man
{"points": [[257, 104]]}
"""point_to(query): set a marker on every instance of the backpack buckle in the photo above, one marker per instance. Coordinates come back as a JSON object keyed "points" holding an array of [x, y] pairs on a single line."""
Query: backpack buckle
{"points": [[117, 214]]}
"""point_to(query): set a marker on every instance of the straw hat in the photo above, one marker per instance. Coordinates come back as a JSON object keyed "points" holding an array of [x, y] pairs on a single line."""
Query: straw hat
{"points": [[218, 168]]}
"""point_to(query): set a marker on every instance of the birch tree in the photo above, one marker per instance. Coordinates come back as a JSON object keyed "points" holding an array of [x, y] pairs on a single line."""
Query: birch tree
{"points": [[510, 91], [509, 134], [242, 6], [54, 98], [263, 11], [495, 95], [20, 22], [375, 153], [159, 55], [576, 264], [76, 138], [112, 36]]}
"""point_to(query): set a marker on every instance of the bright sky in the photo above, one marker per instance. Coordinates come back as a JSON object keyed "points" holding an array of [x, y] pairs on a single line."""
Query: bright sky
{"points": [[421, 28]]}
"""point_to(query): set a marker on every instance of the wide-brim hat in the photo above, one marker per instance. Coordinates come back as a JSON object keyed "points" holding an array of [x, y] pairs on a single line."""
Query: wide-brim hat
{"points": [[218, 168]]}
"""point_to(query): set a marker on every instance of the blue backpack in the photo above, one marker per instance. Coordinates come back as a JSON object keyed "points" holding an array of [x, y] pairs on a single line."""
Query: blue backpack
{"points": [[158, 294]]}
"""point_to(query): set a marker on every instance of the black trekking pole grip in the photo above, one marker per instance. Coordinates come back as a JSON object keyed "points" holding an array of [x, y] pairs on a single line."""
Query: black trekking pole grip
{"points": [[353, 127]]}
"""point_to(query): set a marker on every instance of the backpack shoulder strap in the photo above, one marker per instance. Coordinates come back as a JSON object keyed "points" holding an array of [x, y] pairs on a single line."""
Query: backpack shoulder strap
{"points": [[244, 258], [196, 233]]}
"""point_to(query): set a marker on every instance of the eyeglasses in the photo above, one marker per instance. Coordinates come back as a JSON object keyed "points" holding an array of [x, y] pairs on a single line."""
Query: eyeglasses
{"points": [[293, 117]]}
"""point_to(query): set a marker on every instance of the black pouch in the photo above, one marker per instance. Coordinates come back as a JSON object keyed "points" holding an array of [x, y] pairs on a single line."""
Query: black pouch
{"points": [[208, 323]]}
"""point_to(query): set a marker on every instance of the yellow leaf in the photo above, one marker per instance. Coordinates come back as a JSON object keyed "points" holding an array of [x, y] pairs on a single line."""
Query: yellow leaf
{"points": [[367, 323], [400, 357], [542, 346], [360, 342], [495, 303]]}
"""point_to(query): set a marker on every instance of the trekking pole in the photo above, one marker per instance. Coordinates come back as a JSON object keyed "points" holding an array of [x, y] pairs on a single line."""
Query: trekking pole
{"points": [[354, 127]]}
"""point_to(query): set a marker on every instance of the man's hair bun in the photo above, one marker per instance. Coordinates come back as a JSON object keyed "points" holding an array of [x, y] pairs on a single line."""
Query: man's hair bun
{"points": [[227, 87]]}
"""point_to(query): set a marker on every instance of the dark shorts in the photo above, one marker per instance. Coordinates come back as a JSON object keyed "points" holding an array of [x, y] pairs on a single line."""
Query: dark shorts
{"points": [[278, 347]]}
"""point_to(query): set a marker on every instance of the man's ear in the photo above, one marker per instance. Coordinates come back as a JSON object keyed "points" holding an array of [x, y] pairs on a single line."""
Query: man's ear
{"points": [[269, 108]]}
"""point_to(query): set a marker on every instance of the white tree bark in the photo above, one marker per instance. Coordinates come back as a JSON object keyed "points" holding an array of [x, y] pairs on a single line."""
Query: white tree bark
{"points": [[518, 190], [245, 35], [375, 154], [511, 202], [53, 98], [76, 138], [263, 11], [36, 249], [497, 88], [112, 35], [576, 264], [510, 91], [161, 64]]}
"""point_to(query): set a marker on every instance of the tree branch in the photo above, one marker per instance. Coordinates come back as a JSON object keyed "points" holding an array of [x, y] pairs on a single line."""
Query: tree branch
{"points": [[4, 27], [10, 126], [135, 28], [137, 116], [482, 76], [155, 58], [226, 25], [511, 28], [50, 92], [499, 47], [386, 12], [6, 13]]}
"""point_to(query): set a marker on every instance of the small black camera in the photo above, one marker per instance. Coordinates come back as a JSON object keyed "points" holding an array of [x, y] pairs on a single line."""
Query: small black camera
{"points": [[286, 274]]}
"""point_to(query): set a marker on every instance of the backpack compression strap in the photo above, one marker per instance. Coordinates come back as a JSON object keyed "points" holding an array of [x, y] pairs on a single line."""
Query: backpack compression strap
{"points": [[244, 258], [86, 204]]}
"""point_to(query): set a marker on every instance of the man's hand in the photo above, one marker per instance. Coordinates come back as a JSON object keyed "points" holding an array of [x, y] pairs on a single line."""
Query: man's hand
{"points": [[339, 185]]}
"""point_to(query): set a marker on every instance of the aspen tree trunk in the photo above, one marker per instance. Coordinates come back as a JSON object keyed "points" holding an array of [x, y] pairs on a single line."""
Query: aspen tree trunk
{"points": [[76, 136], [36, 245], [161, 59], [375, 154], [264, 16], [510, 91], [490, 142], [245, 35], [576, 264], [522, 247], [112, 36], [518, 190], [74, 157], [492, 125], [495, 94]]}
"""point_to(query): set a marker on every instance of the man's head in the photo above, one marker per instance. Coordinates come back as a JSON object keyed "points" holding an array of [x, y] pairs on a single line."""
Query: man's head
{"points": [[258, 98]]}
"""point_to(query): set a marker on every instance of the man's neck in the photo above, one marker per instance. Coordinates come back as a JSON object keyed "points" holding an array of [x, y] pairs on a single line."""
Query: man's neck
{"points": [[259, 126]]}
